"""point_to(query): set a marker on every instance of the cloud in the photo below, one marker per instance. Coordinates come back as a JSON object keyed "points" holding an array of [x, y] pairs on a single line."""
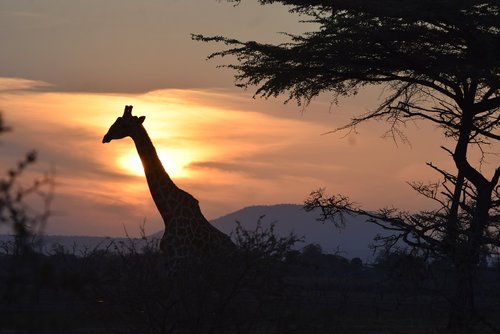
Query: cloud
{"points": [[252, 169], [18, 84]]}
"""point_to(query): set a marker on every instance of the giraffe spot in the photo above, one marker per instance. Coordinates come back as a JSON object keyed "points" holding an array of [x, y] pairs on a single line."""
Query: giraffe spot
{"points": [[172, 203], [186, 212]]}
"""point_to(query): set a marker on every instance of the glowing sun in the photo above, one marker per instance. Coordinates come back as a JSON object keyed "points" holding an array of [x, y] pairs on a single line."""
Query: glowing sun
{"points": [[175, 163]]}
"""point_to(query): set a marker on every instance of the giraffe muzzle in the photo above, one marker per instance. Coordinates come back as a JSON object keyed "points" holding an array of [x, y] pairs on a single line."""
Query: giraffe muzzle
{"points": [[106, 139]]}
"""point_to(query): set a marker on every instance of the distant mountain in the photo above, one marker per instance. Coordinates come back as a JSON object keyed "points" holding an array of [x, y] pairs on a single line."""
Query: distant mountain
{"points": [[352, 241]]}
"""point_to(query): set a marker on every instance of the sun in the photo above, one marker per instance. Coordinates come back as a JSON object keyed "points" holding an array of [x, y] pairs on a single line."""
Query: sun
{"points": [[131, 163], [174, 162]]}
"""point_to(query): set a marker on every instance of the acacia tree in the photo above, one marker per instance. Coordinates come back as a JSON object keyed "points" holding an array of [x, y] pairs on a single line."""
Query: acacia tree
{"points": [[438, 59]]}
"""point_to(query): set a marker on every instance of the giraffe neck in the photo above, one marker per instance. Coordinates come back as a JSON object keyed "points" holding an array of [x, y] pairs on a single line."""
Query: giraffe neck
{"points": [[160, 184]]}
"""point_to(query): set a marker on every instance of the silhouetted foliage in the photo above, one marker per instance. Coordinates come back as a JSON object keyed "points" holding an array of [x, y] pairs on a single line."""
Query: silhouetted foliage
{"points": [[410, 45], [263, 242], [356, 263], [16, 204], [17, 208], [312, 255], [224, 293], [124, 287], [403, 267], [438, 62], [24, 209]]}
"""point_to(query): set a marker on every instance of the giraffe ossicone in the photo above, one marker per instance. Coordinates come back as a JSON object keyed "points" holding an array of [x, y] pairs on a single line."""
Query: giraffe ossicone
{"points": [[188, 234]]}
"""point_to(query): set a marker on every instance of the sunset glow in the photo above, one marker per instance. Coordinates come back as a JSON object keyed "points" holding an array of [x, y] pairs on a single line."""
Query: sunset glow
{"points": [[226, 149]]}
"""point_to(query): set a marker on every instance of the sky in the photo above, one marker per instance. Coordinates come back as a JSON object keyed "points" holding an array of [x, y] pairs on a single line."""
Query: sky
{"points": [[68, 68]]}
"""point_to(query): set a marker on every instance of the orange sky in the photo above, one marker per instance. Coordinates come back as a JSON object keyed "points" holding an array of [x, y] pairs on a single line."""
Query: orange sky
{"points": [[67, 68], [224, 147]]}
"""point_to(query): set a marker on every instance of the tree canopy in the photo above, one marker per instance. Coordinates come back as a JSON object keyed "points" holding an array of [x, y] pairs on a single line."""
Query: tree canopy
{"points": [[424, 50]]}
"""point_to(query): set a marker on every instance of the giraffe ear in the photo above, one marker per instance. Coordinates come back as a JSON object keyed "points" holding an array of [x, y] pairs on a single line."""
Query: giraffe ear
{"points": [[141, 119]]}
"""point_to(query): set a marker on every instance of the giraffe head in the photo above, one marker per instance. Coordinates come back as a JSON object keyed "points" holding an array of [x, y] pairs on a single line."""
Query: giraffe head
{"points": [[123, 126]]}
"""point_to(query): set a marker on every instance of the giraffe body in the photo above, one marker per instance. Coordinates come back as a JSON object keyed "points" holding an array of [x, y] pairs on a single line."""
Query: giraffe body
{"points": [[188, 235]]}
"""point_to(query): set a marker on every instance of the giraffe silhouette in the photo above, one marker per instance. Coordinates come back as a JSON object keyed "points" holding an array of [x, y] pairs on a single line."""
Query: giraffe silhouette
{"points": [[188, 235]]}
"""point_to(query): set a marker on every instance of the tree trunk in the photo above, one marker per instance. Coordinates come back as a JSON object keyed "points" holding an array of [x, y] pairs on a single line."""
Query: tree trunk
{"points": [[462, 308], [466, 247]]}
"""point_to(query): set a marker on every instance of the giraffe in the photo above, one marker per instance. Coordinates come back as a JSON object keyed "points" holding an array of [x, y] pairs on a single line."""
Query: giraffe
{"points": [[188, 235]]}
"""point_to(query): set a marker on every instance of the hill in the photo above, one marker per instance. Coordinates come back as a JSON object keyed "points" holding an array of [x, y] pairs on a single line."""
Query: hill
{"points": [[352, 241]]}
